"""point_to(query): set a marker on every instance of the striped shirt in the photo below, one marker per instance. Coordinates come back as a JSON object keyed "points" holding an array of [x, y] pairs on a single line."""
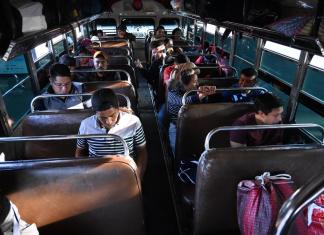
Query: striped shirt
{"points": [[175, 102], [128, 127]]}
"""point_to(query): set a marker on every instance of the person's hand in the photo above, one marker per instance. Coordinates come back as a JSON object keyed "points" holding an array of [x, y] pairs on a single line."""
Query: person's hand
{"points": [[138, 64], [204, 91]]}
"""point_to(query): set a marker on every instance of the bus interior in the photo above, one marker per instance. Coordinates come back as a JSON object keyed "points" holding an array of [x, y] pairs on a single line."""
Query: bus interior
{"points": [[283, 41]]}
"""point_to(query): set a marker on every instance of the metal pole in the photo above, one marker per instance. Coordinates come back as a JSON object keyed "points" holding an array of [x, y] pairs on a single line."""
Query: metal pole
{"points": [[32, 72], [51, 49], [233, 47], [303, 62], [65, 44], [258, 53], [4, 118]]}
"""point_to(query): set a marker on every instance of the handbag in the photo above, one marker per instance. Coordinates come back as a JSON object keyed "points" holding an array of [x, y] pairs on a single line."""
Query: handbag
{"points": [[259, 201], [315, 216]]}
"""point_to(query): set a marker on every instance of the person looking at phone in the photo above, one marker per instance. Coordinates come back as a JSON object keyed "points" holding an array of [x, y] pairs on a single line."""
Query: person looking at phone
{"points": [[177, 88]]}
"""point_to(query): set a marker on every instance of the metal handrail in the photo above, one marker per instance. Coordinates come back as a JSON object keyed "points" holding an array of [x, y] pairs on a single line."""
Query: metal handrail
{"points": [[102, 71], [64, 137], [302, 197], [225, 89], [32, 107], [103, 41], [261, 127]]}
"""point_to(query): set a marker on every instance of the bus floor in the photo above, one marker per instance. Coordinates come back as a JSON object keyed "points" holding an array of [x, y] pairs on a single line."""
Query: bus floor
{"points": [[159, 211]]}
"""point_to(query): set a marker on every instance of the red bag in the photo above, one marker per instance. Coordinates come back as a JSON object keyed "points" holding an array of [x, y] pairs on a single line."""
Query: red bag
{"points": [[315, 216], [259, 201]]}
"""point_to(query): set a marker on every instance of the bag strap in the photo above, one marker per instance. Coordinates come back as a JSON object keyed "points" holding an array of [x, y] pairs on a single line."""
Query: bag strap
{"points": [[16, 226], [267, 176]]}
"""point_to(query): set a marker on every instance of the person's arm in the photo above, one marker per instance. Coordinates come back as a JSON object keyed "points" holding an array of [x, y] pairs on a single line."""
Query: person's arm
{"points": [[80, 152], [141, 160]]}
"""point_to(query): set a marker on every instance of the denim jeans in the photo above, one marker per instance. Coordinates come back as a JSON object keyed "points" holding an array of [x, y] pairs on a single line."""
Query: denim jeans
{"points": [[172, 136]]}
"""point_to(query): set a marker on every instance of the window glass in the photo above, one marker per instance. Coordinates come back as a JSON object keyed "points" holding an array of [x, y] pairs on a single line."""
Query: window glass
{"points": [[306, 115], [12, 72], [314, 84], [199, 30], [283, 50], [57, 39], [139, 27], [18, 100], [58, 48], [211, 29], [108, 26], [317, 61], [246, 48], [240, 64], [40, 51], [169, 24], [43, 62], [282, 68]]}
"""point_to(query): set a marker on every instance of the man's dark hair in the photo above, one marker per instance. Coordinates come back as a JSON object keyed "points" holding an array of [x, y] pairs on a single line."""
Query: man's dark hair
{"points": [[266, 103], [176, 30], [122, 27], [157, 43], [67, 60], [159, 27], [181, 59], [249, 72], [59, 70], [104, 99]]}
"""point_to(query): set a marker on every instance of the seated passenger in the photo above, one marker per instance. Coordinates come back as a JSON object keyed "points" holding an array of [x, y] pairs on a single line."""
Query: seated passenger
{"points": [[60, 84], [159, 33], [177, 88], [248, 78], [176, 34], [269, 111], [68, 61], [100, 62], [123, 34], [109, 119]]}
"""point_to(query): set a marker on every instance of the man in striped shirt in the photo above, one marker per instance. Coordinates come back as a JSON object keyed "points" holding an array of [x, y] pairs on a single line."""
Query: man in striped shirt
{"points": [[109, 119]]}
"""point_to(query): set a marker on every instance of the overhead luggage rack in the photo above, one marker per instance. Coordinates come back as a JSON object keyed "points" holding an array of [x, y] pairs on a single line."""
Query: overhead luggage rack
{"points": [[31, 40]]}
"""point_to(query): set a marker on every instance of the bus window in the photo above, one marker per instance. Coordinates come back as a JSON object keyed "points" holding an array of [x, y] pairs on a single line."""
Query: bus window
{"points": [[210, 33], [78, 32], [139, 27], [227, 43], [108, 26], [169, 24], [246, 48], [58, 45], [280, 61], [41, 55], [15, 85]]}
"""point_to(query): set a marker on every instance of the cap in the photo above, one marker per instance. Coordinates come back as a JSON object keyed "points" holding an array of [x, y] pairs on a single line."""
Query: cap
{"points": [[100, 54]]}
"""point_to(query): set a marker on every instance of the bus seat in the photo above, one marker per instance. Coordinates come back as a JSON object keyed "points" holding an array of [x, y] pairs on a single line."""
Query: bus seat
{"points": [[218, 82], [220, 170], [115, 50], [121, 87], [79, 196], [195, 121], [129, 69], [66, 122], [207, 71]]}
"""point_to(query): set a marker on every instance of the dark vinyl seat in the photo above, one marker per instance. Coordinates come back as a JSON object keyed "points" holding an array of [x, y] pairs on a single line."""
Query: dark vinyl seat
{"points": [[193, 124], [220, 170], [79, 196], [121, 87], [213, 71], [66, 122]]}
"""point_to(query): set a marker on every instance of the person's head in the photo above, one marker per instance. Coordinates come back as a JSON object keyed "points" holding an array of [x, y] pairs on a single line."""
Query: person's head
{"points": [[121, 31], [60, 79], [189, 79], [181, 59], [100, 60], [159, 32], [176, 34], [68, 61], [100, 33], [105, 104], [158, 49], [248, 77], [268, 109]]}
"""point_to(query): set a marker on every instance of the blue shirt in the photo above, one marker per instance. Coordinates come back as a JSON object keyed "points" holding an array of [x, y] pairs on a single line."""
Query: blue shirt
{"points": [[241, 96]]}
